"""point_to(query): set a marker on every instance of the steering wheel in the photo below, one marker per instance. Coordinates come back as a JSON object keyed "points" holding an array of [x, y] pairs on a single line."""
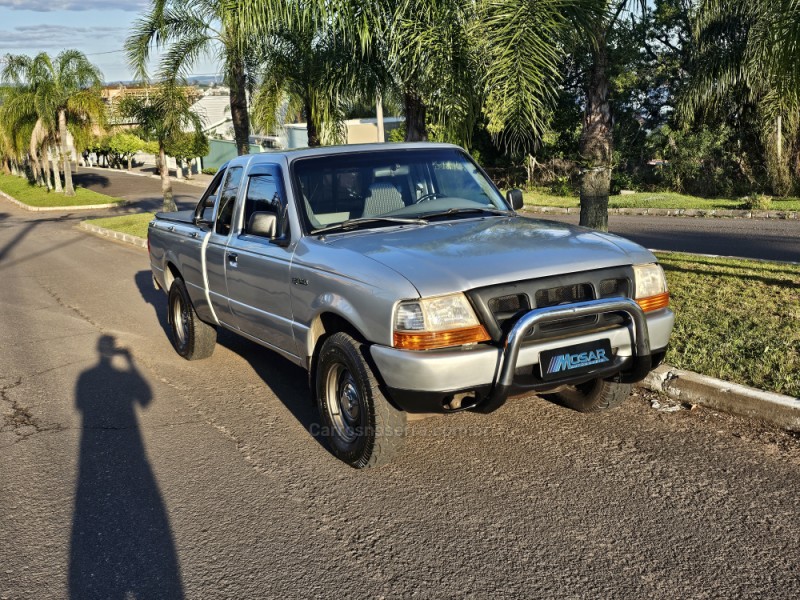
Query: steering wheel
{"points": [[429, 197]]}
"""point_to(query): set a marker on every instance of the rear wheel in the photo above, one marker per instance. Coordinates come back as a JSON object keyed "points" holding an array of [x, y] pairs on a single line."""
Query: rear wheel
{"points": [[362, 428], [592, 396], [192, 338]]}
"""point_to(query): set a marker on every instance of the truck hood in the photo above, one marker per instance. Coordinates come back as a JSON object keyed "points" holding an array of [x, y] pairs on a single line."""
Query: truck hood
{"points": [[439, 258]]}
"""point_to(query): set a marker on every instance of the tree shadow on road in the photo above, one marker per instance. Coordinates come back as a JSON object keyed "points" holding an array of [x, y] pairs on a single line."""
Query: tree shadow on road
{"points": [[121, 545], [25, 230], [90, 181]]}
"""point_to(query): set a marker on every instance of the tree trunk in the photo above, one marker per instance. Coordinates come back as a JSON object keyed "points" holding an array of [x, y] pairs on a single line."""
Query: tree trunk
{"points": [[238, 97], [7, 166], [311, 127], [414, 109], [69, 190], [46, 171], [597, 143], [56, 171], [36, 170], [379, 118], [166, 185]]}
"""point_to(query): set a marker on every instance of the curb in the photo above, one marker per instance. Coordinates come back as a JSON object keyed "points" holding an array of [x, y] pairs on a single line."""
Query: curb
{"points": [[110, 233], [676, 212], [722, 396], [680, 385], [54, 208]]}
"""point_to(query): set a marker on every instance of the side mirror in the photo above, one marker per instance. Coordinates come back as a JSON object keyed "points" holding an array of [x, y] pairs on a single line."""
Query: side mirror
{"points": [[264, 224], [209, 202], [514, 198]]}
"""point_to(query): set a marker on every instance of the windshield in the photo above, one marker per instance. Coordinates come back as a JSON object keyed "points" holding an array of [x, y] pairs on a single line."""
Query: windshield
{"points": [[396, 184]]}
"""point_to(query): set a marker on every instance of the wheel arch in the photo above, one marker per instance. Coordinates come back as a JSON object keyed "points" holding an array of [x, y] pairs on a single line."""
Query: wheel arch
{"points": [[171, 273], [322, 327]]}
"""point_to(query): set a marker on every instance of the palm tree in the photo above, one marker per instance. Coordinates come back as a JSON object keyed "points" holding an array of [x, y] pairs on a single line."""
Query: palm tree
{"points": [[759, 49], [417, 51], [164, 115], [189, 29], [436, 56], [746, 53], [317, 72], [61, 94]]}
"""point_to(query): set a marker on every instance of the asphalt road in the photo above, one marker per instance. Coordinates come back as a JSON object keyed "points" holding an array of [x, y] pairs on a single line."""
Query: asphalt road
{"points": [[127, 472], [751, 238], [770, 239]]}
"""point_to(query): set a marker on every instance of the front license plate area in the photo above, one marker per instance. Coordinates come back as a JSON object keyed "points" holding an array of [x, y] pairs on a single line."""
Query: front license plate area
{"points": [[575, 360]]}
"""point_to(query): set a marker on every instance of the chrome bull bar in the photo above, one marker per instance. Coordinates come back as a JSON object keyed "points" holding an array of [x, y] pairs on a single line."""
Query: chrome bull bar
{"points": [[513, 342]]}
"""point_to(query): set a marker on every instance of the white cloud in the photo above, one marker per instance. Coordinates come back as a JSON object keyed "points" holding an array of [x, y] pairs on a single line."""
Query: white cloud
{"points": [[74, 5], [26, 38]]}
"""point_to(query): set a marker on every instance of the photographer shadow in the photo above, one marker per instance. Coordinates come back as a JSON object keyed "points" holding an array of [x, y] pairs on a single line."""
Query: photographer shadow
{"points": [[121, 544]]}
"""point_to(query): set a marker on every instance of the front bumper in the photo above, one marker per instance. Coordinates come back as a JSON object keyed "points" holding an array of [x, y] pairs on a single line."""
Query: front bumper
{"points": [[427, 381]]}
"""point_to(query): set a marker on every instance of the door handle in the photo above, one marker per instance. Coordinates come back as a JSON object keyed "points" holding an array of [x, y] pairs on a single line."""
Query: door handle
{"points": [[194, 234], [233, 258]]}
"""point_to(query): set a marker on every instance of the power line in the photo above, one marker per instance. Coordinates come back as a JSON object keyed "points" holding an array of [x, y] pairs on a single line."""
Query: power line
{"points": [[108, 52]]}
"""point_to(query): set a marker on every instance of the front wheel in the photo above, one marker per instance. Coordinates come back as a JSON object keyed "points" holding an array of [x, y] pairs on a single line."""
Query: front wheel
{"points": [[361, 426], [192, 338], [592, 396]]}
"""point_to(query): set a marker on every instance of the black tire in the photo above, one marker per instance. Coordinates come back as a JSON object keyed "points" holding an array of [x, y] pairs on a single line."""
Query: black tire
{"points": [[192, 338], [366, 431], [593, 396]]}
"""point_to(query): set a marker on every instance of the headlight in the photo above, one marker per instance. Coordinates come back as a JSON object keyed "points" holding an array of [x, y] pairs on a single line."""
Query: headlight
{"points": [[651, 287], [438, 322]]}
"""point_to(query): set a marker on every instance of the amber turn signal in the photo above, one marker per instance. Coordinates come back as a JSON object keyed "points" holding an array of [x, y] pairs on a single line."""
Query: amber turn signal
{"points": [[652, 303], [430, 340]]}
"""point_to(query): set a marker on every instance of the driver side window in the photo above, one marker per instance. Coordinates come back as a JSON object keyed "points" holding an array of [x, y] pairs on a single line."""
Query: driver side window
{"points": [[264, 197], [227, 200]]}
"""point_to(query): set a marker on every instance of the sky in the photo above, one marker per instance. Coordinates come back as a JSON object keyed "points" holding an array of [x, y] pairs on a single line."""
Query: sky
{"points": [[97, 28]]}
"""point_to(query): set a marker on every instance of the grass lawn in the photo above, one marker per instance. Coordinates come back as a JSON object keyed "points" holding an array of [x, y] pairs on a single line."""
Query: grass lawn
{"points": [[133, 224], [20, 189], [737, 320], [656, 200]]}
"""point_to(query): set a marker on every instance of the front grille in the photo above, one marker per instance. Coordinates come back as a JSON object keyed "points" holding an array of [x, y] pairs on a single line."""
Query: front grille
{"points": [[613, 288], [509, 307], [565, 294], [501, 306]]}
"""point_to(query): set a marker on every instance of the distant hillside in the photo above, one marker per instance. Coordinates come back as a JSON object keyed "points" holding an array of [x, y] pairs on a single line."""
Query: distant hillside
{"points": [[202, 80]]}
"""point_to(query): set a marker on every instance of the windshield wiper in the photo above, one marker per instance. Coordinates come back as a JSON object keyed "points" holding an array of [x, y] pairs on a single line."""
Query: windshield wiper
{"points": [[357, 223], [458, 211]]}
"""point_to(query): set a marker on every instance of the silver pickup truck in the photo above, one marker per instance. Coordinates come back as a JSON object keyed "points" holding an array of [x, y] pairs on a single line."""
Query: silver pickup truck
{"points": [[405, 282]]}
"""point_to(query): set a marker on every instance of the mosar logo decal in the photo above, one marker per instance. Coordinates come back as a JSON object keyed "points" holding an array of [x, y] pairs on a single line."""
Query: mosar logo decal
{"points": [[565, 362]]}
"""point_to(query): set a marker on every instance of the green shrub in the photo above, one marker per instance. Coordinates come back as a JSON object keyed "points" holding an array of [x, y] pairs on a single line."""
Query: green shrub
{"points": [[758, 202], [209, 171], [561, 187]]}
